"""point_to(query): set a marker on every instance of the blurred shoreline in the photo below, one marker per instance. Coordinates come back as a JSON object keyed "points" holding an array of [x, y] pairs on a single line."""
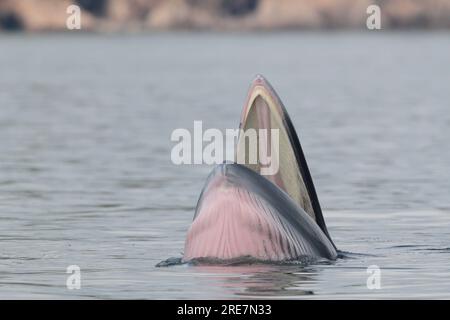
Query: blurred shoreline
{"points": [[137, 16]]}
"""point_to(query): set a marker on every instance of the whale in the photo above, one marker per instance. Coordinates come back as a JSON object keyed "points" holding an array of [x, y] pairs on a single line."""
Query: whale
{"points": [[243, 213]]}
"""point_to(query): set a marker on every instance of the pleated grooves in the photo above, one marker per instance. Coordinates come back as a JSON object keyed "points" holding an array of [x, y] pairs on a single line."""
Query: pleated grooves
{"points": [[235, 223]]}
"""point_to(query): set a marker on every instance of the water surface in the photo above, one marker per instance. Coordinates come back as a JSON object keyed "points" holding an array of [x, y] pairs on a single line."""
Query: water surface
{"points": [[86, 177]]}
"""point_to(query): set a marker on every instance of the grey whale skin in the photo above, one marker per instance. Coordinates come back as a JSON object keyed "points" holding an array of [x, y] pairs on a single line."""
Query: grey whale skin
{"points": [[241, 213]]}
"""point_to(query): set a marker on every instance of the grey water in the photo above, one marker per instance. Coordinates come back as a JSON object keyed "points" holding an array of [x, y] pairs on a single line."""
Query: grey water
{"points": [[86, 176]]}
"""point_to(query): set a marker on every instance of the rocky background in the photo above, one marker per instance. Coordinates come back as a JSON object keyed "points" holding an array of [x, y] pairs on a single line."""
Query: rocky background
{"points": [[142, 15]]}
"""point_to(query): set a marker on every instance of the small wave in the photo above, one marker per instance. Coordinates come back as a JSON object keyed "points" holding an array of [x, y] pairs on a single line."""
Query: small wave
{"points": [[420, 247], [174, 261], [353, 255], [445, 249], [244, 260], [402, 246]]}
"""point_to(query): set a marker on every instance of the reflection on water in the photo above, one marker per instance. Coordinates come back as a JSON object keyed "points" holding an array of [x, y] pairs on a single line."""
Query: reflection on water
{"points": [[262, 280], [86, 177], [251, 279]]}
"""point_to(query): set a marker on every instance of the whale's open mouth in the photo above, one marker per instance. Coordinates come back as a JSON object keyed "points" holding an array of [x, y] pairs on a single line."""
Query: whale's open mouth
{"points": [[263, 109], [243, 212]]}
